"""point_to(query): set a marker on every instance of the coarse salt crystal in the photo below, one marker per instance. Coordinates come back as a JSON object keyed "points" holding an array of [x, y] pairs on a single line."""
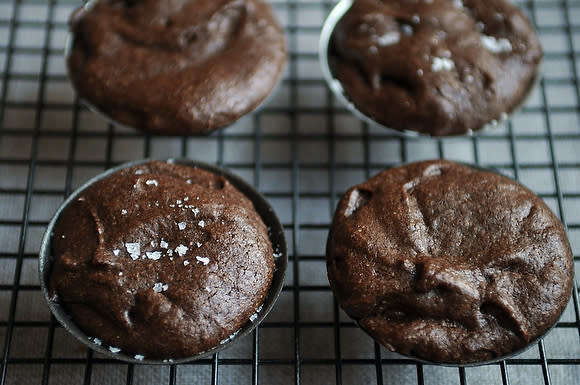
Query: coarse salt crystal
{"points": [[253, 317], [163, 244], [496, 45], [203, 260], [134, 249], [181, 250], [182, 225], [97, 341], [113, 349], [195, 211], [389, 38], [185, 263], [139, 172], [442, 64], [407, 29], [124, 212], [152, 182], [159, 287], [139, 357], [198, 244], [116, 252], [154, 255], [201, 223]]}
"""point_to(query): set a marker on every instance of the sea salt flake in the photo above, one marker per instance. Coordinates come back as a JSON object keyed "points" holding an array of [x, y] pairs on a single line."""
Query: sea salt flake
{"points": [[116, 252], [442, 64], [185, 263], [154, 255], [160, 287], [203, 260], [407, 29], [253, 317], [179, 201], [124, 212], [201, 223], [195, 211], [170, 253], [120, 274], [139, 172], [181, 250], [163, 244], [152, 182], [185, 199], [198, 244], [97, 341], [113, 349], [182, 225], [139, 357], [389, 38], [496, 45], [134, 249]]}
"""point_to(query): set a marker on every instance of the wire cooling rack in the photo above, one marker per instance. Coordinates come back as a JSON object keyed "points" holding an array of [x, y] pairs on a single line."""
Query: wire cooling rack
{"points": [[301, 151]]}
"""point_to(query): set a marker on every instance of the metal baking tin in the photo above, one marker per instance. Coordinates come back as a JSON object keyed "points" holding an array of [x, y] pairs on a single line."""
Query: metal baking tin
{"points": [[336, 87], [266, 212], [68, 46], [478, 363]]}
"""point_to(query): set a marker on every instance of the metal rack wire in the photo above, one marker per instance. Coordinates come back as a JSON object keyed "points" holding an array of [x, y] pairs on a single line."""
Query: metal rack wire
{"points": [[302, 151]]}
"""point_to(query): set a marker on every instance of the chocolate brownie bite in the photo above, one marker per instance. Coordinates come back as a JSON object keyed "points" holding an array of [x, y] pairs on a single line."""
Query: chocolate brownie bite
{"points": [[163, 261], [438, 67], [448, 263], [175, 67]]}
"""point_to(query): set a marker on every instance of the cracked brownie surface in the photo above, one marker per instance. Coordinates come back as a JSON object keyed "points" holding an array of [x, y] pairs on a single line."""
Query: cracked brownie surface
{"points": [[176, 67], [448, 263], [161, 260], [438, 67]]}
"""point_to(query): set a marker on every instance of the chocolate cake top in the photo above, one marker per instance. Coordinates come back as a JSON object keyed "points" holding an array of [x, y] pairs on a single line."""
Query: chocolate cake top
{"points": [[449, 263], [176, 67], [438, 67], [161, 260]]}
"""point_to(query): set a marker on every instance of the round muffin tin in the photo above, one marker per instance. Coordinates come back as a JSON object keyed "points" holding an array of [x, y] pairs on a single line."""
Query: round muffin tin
{"points": [[68, 46], [337, 89], [266, 212]]}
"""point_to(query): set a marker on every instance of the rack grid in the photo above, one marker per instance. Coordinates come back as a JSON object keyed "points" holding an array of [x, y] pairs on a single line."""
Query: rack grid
{"points": [[302, 151]]}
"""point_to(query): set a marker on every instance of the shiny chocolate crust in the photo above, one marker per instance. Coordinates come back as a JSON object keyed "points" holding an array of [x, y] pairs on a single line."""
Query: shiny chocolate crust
{"points": [[448, 263], [176, 67], [440, 67], [162, 261]]}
